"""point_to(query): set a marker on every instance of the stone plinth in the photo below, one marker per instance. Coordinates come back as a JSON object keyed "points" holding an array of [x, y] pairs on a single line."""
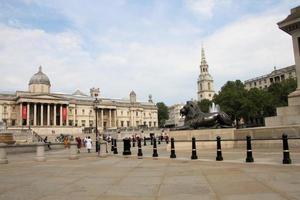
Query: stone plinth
{"points": [[290, 115], [7, 138]]}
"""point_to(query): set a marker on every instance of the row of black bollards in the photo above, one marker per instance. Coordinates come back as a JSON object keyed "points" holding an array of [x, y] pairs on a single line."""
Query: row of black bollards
{"points": [[219, 157]]}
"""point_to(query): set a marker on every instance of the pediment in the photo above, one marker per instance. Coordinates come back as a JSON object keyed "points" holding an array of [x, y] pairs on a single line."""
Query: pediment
{"points": [[42, 98]]}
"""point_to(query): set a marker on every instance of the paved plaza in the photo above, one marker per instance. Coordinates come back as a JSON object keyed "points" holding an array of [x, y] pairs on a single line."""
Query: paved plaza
{"points": [[116, 177]]}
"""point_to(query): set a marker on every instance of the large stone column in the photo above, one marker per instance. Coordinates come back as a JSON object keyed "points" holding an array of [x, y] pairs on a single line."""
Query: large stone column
{"points": [[42, 115], [109, 117], [74, 117], [101, 113], [60, 115], [115, 118], [54, 115], [48, 115], [28, 115], [21, 118], [290, 115], [291, 25], [34, 114], [67, 117]]}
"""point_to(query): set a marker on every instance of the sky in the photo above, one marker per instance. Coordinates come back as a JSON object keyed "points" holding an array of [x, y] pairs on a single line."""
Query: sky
{"points": [[149, 46]]}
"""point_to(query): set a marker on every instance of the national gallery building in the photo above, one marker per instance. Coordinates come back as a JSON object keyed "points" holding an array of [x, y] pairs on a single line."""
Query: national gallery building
{"points": [[47, 112]]}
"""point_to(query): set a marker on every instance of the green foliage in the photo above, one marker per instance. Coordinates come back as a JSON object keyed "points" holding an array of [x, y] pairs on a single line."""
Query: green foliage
{"points": [[280, 91], [232, 99], [163, 113], [204, 105], [239, 103]]}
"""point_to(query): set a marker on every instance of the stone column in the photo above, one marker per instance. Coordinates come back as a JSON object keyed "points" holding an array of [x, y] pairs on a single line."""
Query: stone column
{"points": [[54, 115], [34, 114], [101, 113], [21, 118], [48, 115], [28, 115], [109, 117], [115, 117], [74, 117], [60, 116], [67, 117], [42, 114]]}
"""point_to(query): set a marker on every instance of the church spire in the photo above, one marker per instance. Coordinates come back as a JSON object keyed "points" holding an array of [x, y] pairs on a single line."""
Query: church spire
{"points": [[203, 60]]}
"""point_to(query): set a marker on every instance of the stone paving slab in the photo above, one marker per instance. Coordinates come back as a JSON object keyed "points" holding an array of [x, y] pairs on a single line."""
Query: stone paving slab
{"points": [[116, 177], [112, 177]]}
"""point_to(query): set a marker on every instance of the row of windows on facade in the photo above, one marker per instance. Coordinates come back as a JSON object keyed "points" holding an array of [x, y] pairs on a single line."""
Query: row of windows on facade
{"points": [[83, 112], [201, 86], [122, 123], [202, 95], [204, 70], [272, 80]]}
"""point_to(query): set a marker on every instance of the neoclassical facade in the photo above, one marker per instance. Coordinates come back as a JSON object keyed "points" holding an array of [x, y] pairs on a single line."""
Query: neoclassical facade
{"points": [[277, 75], [39, 108], [205, 81]]}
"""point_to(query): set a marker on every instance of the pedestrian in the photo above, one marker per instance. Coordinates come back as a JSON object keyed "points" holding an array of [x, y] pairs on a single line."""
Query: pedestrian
{"points": [[66, 142], [78, 140], [46, 142], [88, 144]]}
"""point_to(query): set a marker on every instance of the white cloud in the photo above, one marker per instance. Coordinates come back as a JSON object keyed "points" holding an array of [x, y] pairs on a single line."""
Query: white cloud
{"points": [[248, 48], [203, 8]]}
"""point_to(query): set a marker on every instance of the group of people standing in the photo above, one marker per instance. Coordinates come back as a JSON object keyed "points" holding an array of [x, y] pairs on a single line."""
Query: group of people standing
{"points": [[86, 142]]}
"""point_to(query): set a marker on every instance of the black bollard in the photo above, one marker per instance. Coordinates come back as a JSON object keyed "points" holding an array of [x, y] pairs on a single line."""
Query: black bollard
{"points": [[194, 150], [219, 150], [115, 147], [140, 153], [154, 148], [158, 140], [173, 155], [133, 142], [126, 146], [286, 151], [249, 150], [112, 145], [145, 142], [151, 140]]}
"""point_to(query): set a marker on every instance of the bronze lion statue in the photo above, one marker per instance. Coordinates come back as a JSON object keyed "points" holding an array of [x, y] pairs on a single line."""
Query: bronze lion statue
{"points": [[195, 118]]}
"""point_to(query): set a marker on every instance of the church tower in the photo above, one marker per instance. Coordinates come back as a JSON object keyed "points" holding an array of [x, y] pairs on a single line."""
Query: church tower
{"points": [[205, 80]]}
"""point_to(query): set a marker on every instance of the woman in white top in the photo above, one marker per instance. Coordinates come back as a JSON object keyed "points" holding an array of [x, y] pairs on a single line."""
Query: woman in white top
{"points": [[88, 144]]}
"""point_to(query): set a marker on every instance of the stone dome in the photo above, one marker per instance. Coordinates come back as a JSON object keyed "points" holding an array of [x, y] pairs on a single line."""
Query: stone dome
{"points": [[40, 78]]}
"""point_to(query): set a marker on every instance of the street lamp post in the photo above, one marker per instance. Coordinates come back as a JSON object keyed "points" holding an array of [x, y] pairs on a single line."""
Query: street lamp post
{"points": [[96, 102]]}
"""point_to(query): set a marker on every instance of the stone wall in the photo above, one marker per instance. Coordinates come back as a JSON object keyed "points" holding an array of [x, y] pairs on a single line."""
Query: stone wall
{"points": [[255, 133]]}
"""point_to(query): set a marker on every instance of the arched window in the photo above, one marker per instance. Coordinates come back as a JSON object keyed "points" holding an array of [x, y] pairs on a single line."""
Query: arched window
{"points": [[208, 86]]}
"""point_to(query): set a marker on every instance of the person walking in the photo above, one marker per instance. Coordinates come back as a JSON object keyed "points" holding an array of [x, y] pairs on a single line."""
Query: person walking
{"points": [[88, 144], [78, 140]]}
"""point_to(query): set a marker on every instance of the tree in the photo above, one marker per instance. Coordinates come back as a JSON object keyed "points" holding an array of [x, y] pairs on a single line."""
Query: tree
{"points": [[280, 91], [163, 113], [232, 99], [204, 105]]}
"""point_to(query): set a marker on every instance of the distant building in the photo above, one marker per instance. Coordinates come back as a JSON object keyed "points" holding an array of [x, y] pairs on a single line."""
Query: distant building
{"points": [[175, 119], [277, 75], [46, 112], [205, 80]]}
